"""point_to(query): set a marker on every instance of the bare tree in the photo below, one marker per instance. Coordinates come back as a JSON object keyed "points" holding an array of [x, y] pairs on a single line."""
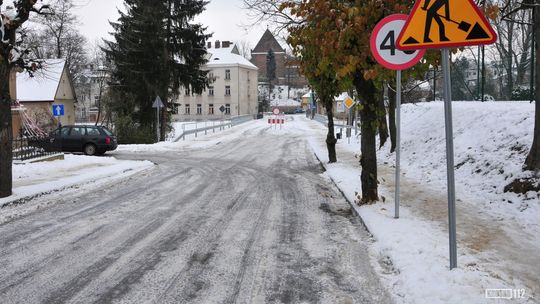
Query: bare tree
{"points": [[269, 11], [244, 48], [66, 43], [12, 57], [514, 46]]}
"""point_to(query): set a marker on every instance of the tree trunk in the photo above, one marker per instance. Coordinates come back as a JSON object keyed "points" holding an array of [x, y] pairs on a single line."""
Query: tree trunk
{"points": [[509, 61], [330, 137], [383, 127], [392, 118], [533, 159], [368, 116], [5, 131]]}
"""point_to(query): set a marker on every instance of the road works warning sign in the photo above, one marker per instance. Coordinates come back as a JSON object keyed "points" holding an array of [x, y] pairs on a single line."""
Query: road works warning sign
{"points": [[445, 23]]}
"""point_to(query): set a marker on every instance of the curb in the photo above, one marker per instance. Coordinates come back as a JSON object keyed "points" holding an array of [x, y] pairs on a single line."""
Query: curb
{"points": [[351, 204], [24, 199]]}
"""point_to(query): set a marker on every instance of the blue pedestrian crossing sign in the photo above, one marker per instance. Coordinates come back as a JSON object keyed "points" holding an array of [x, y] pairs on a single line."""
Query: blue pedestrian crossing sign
{"points": [[58, 109]]}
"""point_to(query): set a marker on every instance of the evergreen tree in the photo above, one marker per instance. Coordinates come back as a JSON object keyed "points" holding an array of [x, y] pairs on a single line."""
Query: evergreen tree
{"points": [[158, 50], [458, 75], [270, 71]]}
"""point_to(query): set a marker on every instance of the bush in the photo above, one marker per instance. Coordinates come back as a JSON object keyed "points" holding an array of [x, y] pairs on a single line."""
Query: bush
{"points": [[521, 93], [129, 132]]}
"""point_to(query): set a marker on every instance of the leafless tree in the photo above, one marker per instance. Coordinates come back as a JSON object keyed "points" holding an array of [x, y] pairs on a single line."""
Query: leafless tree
{"points": [[12, 57], [269, 11]]}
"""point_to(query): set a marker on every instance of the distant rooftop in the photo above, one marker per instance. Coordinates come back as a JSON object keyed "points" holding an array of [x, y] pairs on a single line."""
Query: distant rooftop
{"points": [[228, 55]]}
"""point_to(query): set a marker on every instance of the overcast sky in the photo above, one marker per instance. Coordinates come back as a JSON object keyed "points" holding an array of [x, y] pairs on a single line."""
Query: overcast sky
{"points": [[224, 18]]}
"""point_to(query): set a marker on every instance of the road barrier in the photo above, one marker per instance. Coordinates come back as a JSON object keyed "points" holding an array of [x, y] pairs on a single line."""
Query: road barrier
{"points": [[212, 125]]}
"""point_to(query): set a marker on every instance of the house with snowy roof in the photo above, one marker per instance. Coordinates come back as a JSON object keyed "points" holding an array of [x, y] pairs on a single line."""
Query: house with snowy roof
{"points": [[232, 89], [52, 84], [49, 85]]}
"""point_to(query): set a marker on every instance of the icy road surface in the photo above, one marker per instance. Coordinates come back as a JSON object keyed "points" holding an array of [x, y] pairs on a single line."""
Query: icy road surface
{"points": [[249, 220]]}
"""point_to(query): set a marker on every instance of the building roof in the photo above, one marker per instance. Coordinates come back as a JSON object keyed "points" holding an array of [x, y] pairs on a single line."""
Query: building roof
{"points": [[226, 57], [341, 97], [267, 42], [44, 85]]}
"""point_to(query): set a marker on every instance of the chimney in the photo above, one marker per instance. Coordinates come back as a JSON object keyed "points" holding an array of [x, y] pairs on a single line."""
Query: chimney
{"points": [[209, 45], [225, 44], [217, 44]]}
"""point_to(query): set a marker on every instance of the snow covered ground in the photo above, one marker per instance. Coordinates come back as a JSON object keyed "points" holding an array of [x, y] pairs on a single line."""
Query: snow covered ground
{"points": [[74, 171], [498, 233]]}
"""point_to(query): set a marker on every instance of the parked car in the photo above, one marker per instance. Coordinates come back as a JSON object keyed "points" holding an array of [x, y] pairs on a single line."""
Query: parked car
{"points": [[89, 139]]}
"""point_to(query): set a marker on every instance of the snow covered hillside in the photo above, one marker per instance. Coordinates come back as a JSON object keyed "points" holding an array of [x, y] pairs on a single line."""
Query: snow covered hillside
{"points": [[491, 142]]}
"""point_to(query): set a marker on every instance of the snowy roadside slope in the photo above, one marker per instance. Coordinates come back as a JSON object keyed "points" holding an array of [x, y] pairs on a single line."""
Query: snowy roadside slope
{"points": [[497, 247], [491, 142], [34, 179]]}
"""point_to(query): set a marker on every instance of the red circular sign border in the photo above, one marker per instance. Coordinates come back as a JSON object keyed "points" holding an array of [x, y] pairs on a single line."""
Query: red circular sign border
{"points": [[373, 45]]}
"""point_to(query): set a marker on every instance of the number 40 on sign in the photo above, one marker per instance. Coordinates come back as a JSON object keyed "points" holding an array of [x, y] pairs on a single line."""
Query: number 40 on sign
{"points": [[384, 47]]}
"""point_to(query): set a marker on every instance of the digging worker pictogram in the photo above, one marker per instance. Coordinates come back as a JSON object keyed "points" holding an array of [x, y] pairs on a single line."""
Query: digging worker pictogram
{"points": [[433, 15]]}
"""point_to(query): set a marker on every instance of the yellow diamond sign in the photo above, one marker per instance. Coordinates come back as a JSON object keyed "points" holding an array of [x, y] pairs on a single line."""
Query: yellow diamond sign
{"points": [[348, 102]]}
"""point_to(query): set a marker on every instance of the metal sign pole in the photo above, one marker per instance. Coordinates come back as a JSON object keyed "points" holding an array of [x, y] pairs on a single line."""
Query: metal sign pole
{"points": [[349, 125], [157, 123], [449, 158], [398, 139]]}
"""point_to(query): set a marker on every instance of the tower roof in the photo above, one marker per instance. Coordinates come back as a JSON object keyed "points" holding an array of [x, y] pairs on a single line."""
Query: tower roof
{"points": [[266, 43]]}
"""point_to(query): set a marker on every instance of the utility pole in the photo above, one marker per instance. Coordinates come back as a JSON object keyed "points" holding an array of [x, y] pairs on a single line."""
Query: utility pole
{"points": [[533, 42]]}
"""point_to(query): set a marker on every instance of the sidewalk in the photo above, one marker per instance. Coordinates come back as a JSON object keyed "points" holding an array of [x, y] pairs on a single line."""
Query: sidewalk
{"points": [[412, 251]]}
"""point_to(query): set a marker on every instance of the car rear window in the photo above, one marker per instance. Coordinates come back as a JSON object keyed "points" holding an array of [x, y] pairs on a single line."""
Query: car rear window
{"points": [[107, 131]]}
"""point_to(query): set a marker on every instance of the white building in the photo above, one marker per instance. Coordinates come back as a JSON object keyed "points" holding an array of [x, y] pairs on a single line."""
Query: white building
{"points": [[232, 90], [91, 87]]}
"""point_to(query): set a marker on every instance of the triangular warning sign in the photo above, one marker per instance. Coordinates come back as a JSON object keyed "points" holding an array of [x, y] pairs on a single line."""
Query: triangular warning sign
{"points": [[445, 23]]}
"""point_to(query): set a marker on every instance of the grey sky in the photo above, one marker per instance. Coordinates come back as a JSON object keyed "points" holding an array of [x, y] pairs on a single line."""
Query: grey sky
{"points": [[224, 18]]}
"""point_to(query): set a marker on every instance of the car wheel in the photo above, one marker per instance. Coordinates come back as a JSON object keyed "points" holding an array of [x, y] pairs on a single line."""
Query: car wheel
{"points": [[90, 149]]}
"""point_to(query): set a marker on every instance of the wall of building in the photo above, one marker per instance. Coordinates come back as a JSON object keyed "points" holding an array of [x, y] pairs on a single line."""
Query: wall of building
{"points": [[242, 99], [259, 60]]}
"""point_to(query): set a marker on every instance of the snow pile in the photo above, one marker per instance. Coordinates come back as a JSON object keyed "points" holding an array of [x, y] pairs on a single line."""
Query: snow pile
{"points": [[31, 179]]}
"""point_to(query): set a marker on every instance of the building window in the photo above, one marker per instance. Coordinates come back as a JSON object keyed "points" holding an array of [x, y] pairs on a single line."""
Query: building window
{"points": [[227, 109], [187, 110], [227, 90], [211, 109], [199, 109], [210, 91], [211, 78], [227, 74]]}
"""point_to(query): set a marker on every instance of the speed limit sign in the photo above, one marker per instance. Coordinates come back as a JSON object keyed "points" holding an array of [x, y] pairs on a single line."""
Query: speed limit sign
{"points": [[383, 44]]}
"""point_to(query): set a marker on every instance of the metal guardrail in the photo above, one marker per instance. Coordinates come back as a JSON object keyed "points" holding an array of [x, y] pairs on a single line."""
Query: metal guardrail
{"points": [[25, 148], [324, 120], [338, 127], [222, 124]]}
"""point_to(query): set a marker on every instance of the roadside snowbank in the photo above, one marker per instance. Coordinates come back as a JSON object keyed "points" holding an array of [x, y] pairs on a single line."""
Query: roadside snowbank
{"points": [[32, 179], [498, 241]]}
